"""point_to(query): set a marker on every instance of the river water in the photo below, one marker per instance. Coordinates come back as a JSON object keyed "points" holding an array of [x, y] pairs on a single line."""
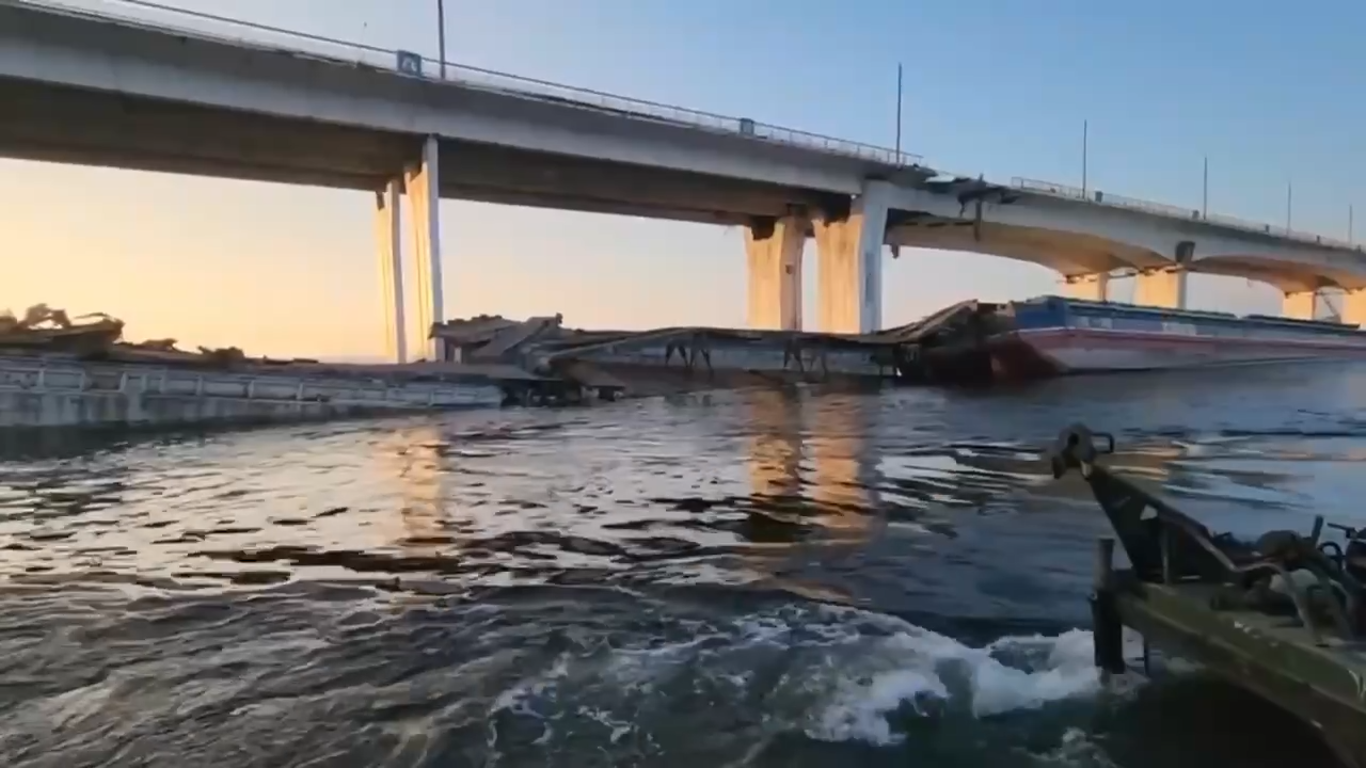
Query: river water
{"points": [[737, 578]]}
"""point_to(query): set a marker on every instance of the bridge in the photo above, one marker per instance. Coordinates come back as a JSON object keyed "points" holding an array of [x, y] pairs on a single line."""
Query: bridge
{"points": [[197, 94]]}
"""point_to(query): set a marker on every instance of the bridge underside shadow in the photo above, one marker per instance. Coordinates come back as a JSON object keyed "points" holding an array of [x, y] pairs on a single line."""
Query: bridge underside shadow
{"points": [[543, 180], [72, 125], [1087, 262], [1069, 254], [1299, 283], [1289, 277], [51, 123]]}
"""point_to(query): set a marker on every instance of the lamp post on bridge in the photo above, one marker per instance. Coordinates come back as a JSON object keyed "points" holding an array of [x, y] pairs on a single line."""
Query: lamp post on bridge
{"points": [[1085, 137], [1289, 198], [1204, 193], [441, 35], [899, 91]]}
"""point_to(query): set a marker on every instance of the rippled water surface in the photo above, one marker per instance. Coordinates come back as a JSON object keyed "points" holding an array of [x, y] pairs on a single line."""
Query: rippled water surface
{"points": [[742, 578]]}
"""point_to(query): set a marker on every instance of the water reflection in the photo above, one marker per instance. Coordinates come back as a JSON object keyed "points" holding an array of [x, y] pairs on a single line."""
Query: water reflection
{"points": [[714, 487], [415, 456], [843, 470], [811, 472], [775, 444], [60, 514], [812, 456]]}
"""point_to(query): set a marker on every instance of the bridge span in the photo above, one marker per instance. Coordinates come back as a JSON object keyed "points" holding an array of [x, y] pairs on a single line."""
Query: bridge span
{"points": [[196, 94]]}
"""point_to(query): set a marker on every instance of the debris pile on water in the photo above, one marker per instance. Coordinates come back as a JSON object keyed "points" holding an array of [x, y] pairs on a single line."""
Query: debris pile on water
{"points": [[44, 330]]}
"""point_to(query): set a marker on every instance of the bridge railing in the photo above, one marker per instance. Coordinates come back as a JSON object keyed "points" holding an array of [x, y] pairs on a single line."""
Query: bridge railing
{"points": [[1098, 197], [1146, 206], [181, 21], [1049, 188], [1281, 231], [1237, 223]]}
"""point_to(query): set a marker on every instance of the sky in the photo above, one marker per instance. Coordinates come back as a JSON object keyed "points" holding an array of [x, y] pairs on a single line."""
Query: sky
{"points": [[1267, 91]]}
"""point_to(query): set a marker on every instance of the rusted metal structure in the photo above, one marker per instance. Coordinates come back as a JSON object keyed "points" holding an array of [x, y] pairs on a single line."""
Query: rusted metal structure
{"points": [[544, 346], [1282, 616]]}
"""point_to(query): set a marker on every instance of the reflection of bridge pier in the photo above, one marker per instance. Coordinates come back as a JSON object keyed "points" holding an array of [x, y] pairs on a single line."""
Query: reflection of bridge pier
{"points": [[415, 459], [841, 485], [812, 451], [775, 452]]}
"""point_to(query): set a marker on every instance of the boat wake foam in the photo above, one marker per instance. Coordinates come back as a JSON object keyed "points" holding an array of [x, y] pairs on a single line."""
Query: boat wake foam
{"points": [[934, 674], [830, 673]]}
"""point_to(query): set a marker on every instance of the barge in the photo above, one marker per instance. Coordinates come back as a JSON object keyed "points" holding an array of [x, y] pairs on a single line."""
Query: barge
{"points": [[1054, 336], [47, 391], [1282, 616], [60, 372]]}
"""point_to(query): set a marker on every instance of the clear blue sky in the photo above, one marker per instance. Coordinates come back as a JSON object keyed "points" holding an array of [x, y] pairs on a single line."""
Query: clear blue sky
{"points": [[1268, 90]]}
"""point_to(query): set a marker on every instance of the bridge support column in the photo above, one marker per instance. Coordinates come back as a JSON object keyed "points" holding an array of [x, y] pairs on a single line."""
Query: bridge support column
{"points": [[1354, 307], [1088, 287], [849, 263], [773, 251], [389, 248], [1300, 305], [1165, 288], [422, 181]]}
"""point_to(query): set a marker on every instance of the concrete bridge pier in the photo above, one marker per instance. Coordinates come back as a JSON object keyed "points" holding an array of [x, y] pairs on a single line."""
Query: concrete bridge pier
{"points": [[389, 247], [1164, 288], [1299, 305], [1353, 306], [773, 250], [849, 263], [1094, 287], [421, 181]]}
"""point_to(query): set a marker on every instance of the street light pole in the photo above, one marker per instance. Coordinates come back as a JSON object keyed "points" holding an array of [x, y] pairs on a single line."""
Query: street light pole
{"points": [[441, 34], [898, 112], [1289, 197], [1085, 135], [1204, 195]]}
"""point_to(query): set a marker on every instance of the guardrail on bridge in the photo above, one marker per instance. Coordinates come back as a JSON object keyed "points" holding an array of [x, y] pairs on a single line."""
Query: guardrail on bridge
{"points": [[1097, 197]]}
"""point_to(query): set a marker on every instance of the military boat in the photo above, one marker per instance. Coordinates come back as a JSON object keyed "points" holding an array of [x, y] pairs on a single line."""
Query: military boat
{"points": [[1282, 616]]}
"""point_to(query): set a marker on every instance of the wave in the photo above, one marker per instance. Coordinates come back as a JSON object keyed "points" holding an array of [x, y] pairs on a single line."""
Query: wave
{"points": [[828, 673]]}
